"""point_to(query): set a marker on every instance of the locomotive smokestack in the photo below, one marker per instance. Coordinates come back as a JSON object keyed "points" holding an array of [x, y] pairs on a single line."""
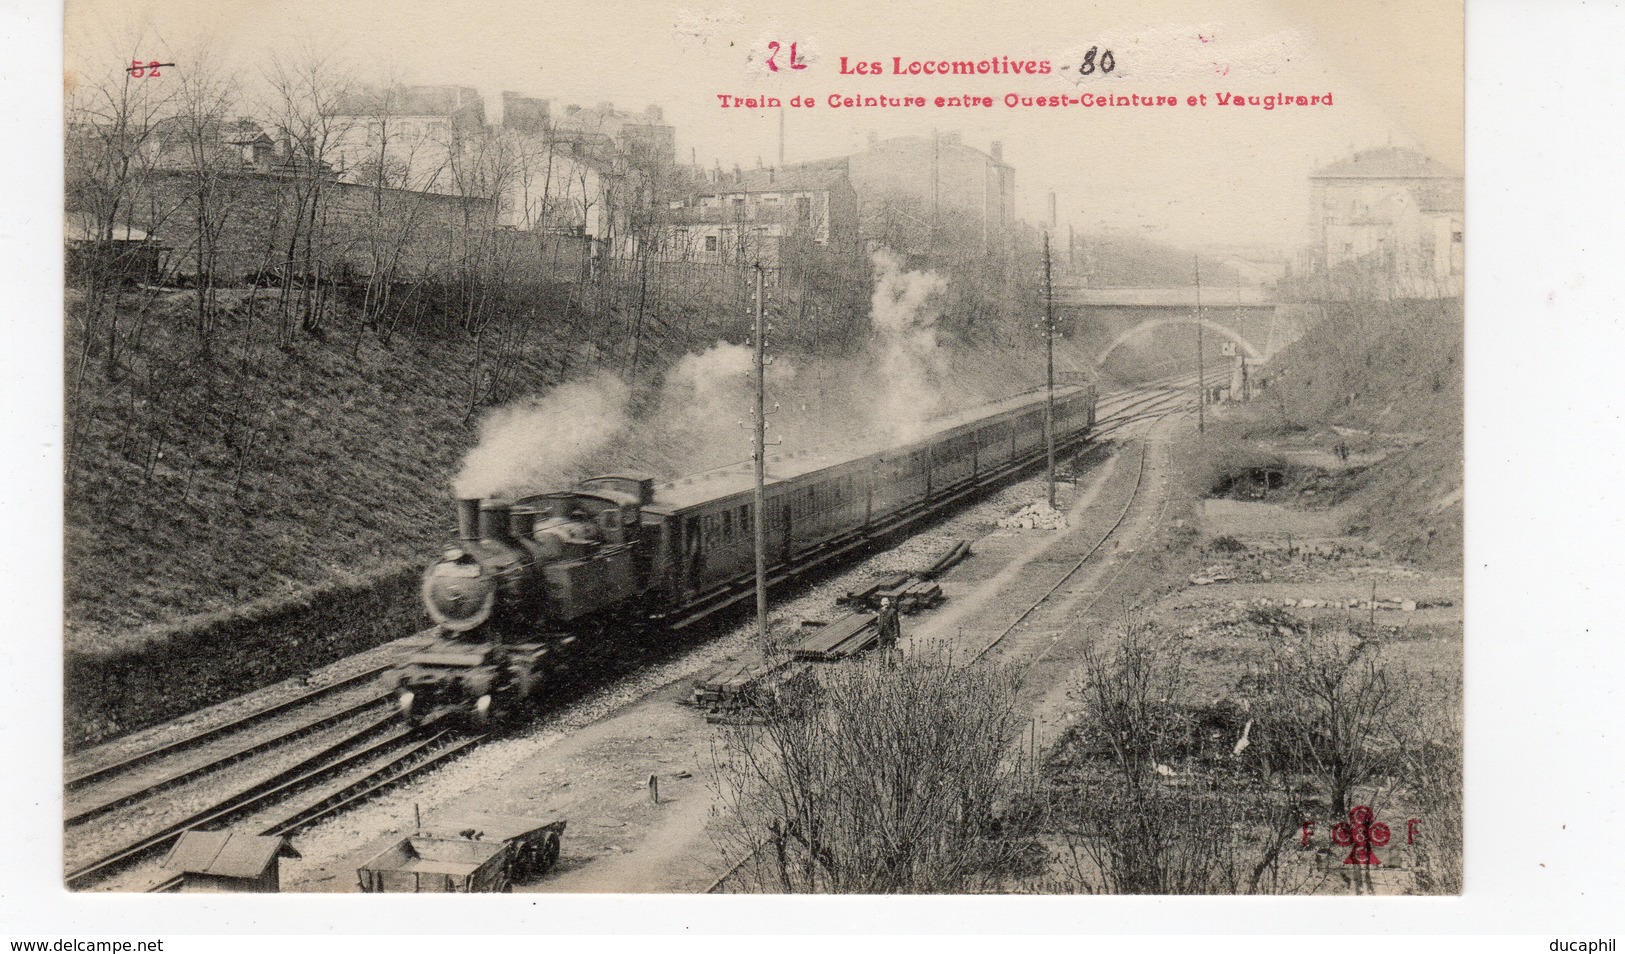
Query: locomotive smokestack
{"points": [[468, 518], [493, 520]]}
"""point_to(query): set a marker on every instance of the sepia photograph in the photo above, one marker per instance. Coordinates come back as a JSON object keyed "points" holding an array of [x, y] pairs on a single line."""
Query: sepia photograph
{"points": [[728, 449]]}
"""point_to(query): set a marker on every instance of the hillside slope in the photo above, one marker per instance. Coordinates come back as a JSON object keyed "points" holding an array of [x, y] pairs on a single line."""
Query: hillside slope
{"points": [[1386, 377]]}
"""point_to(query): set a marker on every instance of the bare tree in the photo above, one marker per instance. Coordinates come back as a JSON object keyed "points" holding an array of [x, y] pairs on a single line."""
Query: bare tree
{"points": [[1328, 697], [308, 91], [483, 167], [112, 122], [205, 104], [882, 776], [401, 171], [1150, 824], [1428, 733]]}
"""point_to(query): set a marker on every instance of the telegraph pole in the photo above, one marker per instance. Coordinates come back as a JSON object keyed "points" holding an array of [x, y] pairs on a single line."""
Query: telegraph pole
{"points": [[1201, 378], [759, 508], [1049, 371]]}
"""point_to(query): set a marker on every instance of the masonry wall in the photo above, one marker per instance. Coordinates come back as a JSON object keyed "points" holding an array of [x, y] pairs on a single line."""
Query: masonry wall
{"points": [[255, 221]]}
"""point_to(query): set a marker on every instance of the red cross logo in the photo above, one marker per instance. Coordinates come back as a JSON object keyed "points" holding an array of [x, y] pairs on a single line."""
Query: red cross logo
{"points": [[1360, 834]]}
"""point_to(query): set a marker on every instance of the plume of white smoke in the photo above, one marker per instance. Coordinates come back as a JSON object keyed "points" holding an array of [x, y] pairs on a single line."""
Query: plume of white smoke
{"points": [[532, 445], [910, 367], [704, 398]]}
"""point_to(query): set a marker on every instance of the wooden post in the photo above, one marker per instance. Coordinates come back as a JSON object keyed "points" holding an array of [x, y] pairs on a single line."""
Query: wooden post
{"points": [[759, 498], [1049, 373], [1201, 379]]}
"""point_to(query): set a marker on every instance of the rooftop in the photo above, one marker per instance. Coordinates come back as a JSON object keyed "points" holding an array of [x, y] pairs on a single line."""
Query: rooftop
{"points": [[808, 177], [228, 854], [1389, 162]]}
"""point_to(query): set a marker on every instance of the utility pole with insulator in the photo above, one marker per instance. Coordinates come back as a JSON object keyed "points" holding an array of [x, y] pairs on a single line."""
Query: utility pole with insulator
{"points": [[759, 454], [1049, 371], [1201, 380]]}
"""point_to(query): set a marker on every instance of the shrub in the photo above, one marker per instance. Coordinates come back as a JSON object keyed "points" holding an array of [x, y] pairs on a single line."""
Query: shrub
{"points": [[880, 776]]}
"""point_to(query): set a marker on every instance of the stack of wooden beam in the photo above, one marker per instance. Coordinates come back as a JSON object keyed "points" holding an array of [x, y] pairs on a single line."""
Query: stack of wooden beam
{"points": [[910, 597], [910, 592], [839, 639], [739, 684], [958, 551], [869, 596]]}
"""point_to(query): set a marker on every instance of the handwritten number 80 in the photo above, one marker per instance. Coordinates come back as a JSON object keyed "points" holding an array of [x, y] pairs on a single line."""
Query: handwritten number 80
{"points": [[1107, 62]]}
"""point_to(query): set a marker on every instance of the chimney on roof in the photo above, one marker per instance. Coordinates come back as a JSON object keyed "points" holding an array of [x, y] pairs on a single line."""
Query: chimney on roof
{"points": [[739, 173], [770, 171], [996, 151], [950, 139], [606, 107], [874, 139], [655, 114]]}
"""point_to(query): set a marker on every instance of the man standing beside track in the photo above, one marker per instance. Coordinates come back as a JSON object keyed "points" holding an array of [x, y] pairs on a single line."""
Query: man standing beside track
{"points": [[891, 628]]}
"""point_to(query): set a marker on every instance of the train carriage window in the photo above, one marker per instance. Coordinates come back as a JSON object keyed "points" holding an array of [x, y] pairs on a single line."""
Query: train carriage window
{"points": [[727, 524]]}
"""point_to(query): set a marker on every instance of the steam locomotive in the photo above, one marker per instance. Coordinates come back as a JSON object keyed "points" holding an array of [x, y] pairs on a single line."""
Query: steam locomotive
{"points": [[526, 581]]}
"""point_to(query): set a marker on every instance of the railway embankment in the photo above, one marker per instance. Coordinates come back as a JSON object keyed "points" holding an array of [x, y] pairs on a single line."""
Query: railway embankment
{"points": [[168, 670], [1320, 584]]}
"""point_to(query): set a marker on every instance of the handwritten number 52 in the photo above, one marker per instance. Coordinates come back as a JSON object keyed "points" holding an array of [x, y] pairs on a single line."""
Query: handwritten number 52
{"points": [[795, 63], [147, 70]]}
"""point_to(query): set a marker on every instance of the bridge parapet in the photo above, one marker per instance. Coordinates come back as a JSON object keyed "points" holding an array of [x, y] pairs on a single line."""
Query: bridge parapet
{"points": [[1183, 296]]}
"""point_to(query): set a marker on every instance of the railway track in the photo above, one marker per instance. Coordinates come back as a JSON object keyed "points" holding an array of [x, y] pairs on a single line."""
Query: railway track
{"points": [[87, 777], [1148, 407], [377, 755], [84, 804], [1134, 497], [381, 754]]}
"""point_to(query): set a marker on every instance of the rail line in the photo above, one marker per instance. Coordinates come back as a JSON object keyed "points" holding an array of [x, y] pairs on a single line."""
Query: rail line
{"points": [[348, 772], [1122, 517], [236, 725], [398, 747], [79, 815], [1106, 425]]}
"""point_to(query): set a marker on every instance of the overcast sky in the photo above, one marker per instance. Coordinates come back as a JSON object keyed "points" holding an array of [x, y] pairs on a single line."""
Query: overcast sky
{"points": [[1209, 175]]}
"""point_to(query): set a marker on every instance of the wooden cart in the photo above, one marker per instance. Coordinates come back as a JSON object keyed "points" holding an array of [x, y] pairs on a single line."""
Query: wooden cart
{"points": [[472, 854]]}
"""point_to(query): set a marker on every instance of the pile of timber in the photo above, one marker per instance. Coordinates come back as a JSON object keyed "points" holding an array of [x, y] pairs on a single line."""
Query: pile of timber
{"points": [[959, 551], [909, 592], [837, 639], [741, 684]]}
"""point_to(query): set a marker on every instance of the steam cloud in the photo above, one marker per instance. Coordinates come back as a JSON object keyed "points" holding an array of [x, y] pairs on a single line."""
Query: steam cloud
{"points": [[910, 364], [704, 398], [535, 444], [886, 394]]}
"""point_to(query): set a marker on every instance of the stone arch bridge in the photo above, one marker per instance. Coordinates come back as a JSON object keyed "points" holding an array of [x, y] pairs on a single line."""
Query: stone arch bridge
{"points": [[1162, 320]]}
